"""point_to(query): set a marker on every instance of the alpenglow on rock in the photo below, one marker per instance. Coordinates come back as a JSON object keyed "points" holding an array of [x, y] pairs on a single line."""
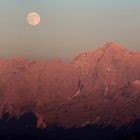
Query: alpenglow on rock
{"points": [[97, 87]]}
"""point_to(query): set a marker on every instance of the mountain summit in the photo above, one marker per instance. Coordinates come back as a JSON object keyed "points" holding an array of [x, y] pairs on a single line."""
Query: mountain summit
{"points": [[97, 87]]}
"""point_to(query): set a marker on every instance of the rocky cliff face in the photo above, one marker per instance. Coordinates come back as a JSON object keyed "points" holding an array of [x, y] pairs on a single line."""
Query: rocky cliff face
{"points": [[98, 87]]}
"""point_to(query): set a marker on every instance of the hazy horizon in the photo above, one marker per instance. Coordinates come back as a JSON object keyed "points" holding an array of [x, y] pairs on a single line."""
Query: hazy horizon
{"points": [[67, 28]]}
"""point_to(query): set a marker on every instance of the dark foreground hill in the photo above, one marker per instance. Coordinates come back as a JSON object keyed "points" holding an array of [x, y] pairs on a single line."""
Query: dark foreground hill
{"points": [[24, 129]]}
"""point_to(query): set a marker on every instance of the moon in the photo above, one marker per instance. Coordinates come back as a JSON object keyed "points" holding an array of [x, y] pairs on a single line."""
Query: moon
{"points": [[33, 18]]}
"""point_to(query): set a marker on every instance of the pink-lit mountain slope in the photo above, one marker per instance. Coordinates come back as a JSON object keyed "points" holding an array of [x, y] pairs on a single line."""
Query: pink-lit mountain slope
{"points": [[97, 87]]}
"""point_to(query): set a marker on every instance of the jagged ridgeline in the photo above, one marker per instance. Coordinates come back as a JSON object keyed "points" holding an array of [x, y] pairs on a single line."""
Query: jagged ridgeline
{"points": [[97, 87]]}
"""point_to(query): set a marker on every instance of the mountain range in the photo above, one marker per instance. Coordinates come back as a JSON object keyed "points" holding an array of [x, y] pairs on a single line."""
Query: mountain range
{"points": [[97, 87]]}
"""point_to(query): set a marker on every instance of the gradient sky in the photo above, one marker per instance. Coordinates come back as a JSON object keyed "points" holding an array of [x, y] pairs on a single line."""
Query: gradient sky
{"points": [[68, 27]]}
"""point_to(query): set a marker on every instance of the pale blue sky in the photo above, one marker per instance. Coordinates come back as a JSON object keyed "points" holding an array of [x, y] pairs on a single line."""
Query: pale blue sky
{"points": [[68, 27]]}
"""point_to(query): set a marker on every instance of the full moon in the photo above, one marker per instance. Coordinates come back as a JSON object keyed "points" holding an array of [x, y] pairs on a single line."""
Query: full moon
{"points": [[33, 18]]}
